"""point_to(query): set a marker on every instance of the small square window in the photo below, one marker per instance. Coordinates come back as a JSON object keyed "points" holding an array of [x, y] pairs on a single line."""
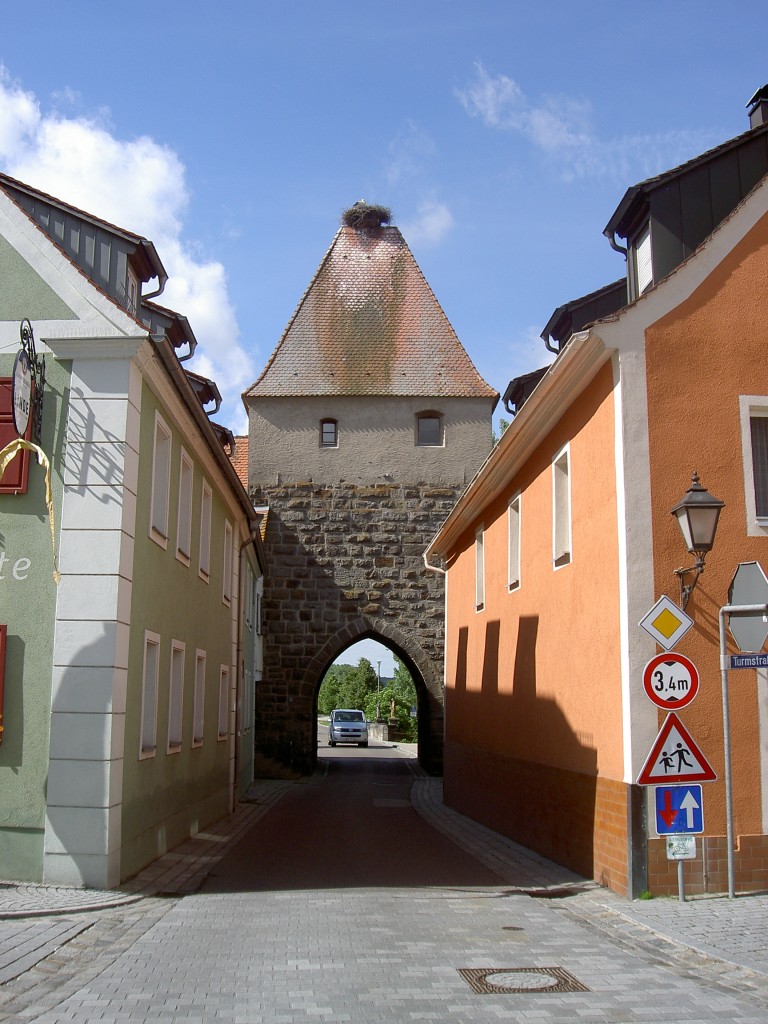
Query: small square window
{"points": [[429, 430], [329, 434]]}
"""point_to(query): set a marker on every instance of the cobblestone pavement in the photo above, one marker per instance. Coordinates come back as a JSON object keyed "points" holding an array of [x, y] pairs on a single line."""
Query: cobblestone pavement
{"points": [[542, 946]]}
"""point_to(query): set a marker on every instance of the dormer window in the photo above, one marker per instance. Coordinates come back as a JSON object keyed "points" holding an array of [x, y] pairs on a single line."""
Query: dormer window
{"points": [[329, 434], [429, 430], [131, 292]]}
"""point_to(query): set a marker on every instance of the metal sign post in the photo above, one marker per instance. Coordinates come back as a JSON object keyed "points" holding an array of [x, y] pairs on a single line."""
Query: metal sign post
{"points": [[730, 609]]}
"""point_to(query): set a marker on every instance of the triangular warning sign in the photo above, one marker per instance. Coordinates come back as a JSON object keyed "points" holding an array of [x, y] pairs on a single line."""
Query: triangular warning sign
{"points": [[675, 757]]}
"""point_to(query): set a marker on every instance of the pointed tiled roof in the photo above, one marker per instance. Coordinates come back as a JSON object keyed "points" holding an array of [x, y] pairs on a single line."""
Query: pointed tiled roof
{"points": [[369, 324]]}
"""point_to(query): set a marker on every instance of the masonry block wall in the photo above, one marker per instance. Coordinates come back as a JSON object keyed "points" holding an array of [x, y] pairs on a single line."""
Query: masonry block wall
{"points": [[345, 562]]}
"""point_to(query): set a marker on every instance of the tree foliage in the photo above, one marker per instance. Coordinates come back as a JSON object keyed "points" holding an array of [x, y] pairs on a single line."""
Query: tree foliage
{"points": [[348, 686]]}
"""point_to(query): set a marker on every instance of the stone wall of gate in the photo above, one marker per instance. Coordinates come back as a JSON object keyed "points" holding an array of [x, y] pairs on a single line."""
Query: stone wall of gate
{"points": [[344, 563]]}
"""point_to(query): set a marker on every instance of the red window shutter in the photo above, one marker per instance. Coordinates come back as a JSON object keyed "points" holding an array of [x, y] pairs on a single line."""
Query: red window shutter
{"points": [[16, 476]]}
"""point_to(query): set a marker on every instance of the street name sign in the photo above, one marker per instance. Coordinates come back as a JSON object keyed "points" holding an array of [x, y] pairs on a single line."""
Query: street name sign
{"points": [[679, 809], [748, 661], [670, 680], [666, 623], [675, 757]]}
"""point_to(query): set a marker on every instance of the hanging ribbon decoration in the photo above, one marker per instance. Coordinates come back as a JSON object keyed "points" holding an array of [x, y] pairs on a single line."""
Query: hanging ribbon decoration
{"points": [[7, 454]]}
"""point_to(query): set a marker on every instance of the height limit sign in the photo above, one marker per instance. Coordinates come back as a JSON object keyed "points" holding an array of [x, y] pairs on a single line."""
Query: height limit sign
{"points": [[671, 681]]}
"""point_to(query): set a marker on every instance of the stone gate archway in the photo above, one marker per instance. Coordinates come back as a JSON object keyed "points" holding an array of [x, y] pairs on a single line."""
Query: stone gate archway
{"points": [[345, 564]]}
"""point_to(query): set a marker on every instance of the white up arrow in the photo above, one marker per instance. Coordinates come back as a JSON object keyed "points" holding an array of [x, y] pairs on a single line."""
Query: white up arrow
{"points": [[689, 805]]}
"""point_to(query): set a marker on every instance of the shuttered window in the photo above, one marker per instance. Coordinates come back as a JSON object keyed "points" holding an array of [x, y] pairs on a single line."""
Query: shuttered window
{"points": [[513, 522], [16, 476], [644, 261], [479, 570]]}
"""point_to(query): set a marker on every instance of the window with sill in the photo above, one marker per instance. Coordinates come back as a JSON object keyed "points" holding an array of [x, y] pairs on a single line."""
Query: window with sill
{"points": [[161, 475], [198, 704], [184, 518], [561, 509], [754, 442], [206, 508], [149, 695], [175, 696]]}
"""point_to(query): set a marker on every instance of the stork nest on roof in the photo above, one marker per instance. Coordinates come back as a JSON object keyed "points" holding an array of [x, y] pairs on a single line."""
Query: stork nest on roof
{"points": [[366, 215]]}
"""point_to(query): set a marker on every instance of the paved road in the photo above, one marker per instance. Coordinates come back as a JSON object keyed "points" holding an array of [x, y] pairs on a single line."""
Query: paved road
{"points": [[339, 904], [354, 827]]}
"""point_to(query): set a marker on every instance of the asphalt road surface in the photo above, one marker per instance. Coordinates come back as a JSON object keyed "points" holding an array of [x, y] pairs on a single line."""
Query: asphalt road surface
{"points": [[350, 826]]}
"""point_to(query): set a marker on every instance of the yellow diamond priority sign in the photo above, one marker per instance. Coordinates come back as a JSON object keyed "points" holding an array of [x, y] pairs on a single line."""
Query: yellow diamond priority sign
{"points": [[666, 623]]}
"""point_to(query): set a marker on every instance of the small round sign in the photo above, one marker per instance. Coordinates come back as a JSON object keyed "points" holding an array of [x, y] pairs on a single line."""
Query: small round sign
{"points": [[22, 392], [671, 680]]}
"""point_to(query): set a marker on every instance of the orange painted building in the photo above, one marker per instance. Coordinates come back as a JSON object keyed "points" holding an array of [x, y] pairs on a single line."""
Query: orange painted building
{"points": [[564, 541]]}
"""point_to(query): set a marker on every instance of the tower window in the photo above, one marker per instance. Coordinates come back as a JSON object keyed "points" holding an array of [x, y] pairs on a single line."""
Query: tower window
{"points": [[329, 434], [429, 429]]}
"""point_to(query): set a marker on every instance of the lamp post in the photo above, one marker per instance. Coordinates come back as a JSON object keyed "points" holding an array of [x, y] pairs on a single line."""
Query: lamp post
{"points": [[697, 516], [378, 691]]}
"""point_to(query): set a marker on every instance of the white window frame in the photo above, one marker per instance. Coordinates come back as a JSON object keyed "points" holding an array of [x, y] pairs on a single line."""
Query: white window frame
{"points": [[176, 696], [184, 515], [562, 541], [223, 716], [198, 700], [514, 522], [149, 687], [479, 569], [751, 406], [227, 566], [206, 518], [162, 451]]}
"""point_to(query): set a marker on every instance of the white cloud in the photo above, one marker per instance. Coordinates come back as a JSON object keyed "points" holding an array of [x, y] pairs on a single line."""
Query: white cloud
{"points": [[430, 226], [139, 185], [409, 151], [560, 127]]}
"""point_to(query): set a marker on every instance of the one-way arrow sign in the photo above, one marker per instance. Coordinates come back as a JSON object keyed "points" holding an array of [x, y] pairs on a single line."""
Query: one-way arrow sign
{"points": [[679, 809], [675, 757]]}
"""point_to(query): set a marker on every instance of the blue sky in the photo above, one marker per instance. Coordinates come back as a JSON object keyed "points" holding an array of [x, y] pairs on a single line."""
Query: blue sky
{"points": [[502, 135]]}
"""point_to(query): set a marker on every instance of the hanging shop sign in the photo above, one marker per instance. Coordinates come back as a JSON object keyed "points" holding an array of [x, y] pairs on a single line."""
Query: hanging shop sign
{"points": [[21, 400]]}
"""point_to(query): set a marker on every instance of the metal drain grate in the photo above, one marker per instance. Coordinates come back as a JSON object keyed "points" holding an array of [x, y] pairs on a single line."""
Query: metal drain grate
{"points": [[493, 980]]}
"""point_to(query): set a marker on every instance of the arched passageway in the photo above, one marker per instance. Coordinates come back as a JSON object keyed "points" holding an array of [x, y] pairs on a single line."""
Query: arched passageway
{"points": [[286, 743], [429, 711]]}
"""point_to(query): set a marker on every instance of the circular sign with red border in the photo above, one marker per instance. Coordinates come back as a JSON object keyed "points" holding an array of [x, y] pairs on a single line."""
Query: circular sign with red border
{"points": [[670, 680]]}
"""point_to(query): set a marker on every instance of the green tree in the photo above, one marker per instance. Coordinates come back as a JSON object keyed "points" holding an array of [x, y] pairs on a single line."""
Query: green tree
{"points": [[334, 680]]}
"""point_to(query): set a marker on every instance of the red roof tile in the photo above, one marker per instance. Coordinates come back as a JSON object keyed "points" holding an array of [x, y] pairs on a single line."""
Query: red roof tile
{"points": [[239, 458], [369, 324]]}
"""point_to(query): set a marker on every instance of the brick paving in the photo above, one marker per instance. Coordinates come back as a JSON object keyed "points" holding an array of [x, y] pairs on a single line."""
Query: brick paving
{"points": [[374, 954]]}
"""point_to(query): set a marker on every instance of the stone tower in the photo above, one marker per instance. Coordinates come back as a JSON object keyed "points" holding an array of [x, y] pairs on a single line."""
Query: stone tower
{"points": [[364, 427]]}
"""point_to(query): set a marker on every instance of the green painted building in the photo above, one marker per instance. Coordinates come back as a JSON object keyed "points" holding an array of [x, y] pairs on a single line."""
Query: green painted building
{"points": [[132, 612]]}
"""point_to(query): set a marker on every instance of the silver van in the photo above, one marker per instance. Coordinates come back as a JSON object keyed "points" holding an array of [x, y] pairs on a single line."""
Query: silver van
{"points": [[347, 726]]}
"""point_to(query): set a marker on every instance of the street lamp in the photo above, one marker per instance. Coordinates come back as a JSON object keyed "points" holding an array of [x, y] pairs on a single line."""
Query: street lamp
{"points": [[378, 691], [697, 515]]}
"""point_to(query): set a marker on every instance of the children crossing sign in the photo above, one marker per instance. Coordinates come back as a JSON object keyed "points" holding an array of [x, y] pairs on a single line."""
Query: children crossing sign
{"points": [[675, 757]]}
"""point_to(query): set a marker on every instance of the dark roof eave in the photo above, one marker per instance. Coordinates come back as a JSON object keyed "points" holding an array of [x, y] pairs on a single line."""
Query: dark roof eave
{"points": [[627, 209]]}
